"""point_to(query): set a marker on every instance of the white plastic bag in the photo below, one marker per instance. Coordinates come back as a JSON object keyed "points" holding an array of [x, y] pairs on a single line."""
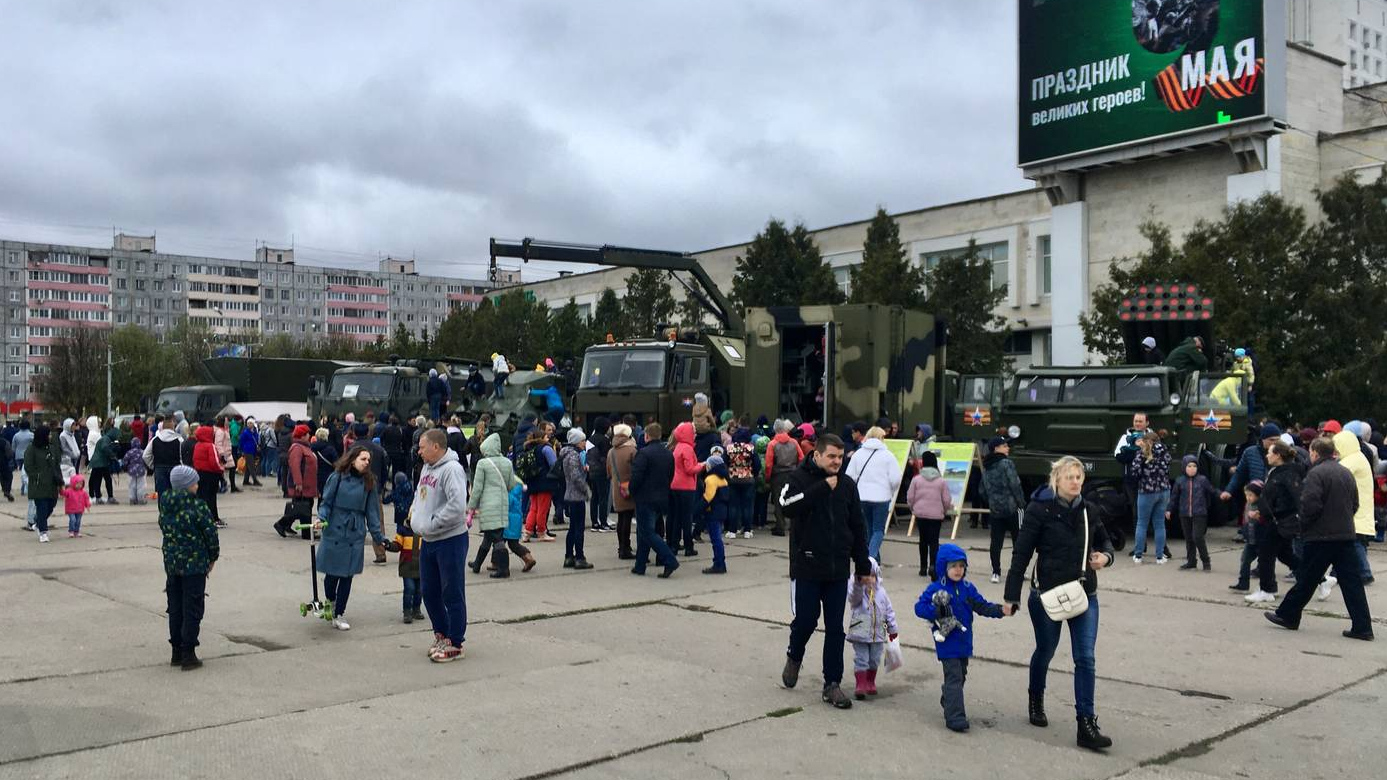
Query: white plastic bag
{"points": [[893, 655]]}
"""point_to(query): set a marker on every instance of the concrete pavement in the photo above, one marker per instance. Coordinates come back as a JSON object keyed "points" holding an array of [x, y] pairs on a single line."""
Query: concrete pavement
{"points": [[604, 675]]}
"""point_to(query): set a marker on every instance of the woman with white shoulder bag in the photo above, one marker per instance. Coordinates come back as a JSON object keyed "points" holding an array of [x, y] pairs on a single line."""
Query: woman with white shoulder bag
{"points": [[1065, 533]]}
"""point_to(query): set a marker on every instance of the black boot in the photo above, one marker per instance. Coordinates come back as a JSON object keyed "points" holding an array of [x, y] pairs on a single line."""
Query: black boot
{"points": [[1089, 735], [177, 659], [190, 659], [1037, 709]]}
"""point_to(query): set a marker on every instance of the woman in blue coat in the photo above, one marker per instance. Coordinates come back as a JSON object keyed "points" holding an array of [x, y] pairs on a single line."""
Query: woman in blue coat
{"points": [[350, 506]]}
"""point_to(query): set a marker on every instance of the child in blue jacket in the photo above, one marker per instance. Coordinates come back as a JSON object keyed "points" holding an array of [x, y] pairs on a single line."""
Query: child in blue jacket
{"points": [[1191, 498], [515, 526], [949, 603]]}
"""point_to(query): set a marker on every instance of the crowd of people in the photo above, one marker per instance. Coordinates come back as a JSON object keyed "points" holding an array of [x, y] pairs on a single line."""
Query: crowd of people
{"points": [[1308, 501]]}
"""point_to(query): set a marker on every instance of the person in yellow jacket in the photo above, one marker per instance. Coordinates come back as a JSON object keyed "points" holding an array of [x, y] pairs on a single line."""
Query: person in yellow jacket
{"points": [[1351, 457], [1225, 393], [1243, 362]]}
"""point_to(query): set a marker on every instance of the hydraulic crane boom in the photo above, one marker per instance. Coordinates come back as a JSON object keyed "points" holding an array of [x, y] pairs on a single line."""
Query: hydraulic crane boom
{"points": [[626, 257]]}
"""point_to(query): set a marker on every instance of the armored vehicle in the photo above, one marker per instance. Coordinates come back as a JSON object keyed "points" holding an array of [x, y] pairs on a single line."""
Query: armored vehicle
{"points": [[828, 364], [399, 387], [231, 379], [1085, 411]]}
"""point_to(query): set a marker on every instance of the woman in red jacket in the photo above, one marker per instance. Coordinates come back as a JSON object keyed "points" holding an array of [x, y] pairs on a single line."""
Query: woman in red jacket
{"points": [[209, 470], [683, 489]]}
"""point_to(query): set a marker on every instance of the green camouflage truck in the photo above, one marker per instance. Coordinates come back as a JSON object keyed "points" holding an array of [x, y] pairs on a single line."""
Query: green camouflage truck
{"points": [[399, 387], [234, 379], [829, 364], [1084, 411]]}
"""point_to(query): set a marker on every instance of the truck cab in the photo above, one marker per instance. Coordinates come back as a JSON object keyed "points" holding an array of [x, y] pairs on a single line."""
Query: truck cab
{"points": [[653, 380], [199, 403]]}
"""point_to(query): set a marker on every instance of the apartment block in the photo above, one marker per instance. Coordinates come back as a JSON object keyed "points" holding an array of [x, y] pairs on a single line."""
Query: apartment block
{"points": [[50, 290]]}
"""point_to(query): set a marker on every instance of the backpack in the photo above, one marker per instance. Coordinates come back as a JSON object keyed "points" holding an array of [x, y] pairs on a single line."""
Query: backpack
{"points": [[786, 456], [556, 473], [530, 464], [739, 457]]}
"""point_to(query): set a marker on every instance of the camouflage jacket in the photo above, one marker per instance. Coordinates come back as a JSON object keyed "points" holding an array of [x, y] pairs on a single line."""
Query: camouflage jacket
{"points": [[190, 538]]}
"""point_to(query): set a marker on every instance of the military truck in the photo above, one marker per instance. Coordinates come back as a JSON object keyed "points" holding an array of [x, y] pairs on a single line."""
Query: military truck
{"points": [[399, 386], [830, 364], [1084, 411], [232, 379]]}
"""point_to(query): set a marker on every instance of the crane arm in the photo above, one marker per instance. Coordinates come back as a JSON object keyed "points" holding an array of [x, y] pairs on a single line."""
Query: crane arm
{"points": [[625, 257]]}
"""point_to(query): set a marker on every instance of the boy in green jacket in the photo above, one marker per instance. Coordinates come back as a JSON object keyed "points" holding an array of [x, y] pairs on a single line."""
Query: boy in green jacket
{"points": [[190, 551]]}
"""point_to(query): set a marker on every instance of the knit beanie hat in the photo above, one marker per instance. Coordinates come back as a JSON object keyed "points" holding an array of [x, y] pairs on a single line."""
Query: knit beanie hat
{"points": [[576, 436], [182, 477], [300, 431]]}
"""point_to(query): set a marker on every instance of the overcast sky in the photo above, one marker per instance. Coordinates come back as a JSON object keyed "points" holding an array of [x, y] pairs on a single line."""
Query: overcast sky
{"points": [[359, 128]]}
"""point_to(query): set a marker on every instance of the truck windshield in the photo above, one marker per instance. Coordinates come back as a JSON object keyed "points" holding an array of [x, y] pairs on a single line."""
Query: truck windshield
{"points": [[630, 368], [1140, 389], [349, 386], [977, 390], [182, 401]]}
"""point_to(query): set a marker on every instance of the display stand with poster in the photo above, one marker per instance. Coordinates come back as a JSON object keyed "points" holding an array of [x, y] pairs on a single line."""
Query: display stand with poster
{"points": [[956, 460]]}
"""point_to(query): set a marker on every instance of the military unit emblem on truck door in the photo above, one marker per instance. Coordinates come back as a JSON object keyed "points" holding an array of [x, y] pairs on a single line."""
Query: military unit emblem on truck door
{"points": [[1213, 420]]}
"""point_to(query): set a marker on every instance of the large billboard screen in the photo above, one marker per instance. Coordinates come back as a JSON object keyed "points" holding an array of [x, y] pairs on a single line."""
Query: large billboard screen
{"points": [[1103, 74]]}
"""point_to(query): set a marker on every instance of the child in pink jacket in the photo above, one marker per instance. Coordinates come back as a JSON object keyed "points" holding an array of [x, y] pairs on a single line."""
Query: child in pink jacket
{"points": [[929, 502], [75, 504]]}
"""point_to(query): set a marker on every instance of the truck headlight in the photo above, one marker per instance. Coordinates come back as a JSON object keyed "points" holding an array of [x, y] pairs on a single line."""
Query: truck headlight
{"points": [[1174, 399], [1014, 432]]}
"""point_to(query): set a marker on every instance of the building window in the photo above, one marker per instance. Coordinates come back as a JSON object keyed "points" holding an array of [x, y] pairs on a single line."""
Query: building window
{"points": [[120, 264], [14, 370], [995, 255], [14, 296], [139, 266], [1042, 249], [1353, 60], [158, 285], [1352, 30], [121, 284], [139, 284]]}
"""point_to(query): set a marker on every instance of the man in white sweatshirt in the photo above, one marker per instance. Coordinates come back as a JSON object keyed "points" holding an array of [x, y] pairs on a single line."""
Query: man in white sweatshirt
{"points": [[439, 514]]}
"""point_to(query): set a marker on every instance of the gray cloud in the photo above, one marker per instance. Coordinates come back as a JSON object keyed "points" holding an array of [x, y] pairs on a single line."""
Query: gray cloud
{"points": [[426, 126]]}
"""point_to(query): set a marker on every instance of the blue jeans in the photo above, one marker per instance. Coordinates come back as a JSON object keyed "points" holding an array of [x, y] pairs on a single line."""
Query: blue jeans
{"points": [[1150, 513], [43, 509], [412, 598], [809, 596], [647, 539], [269, 462], [577, 522], [741, 506], [441, 566], [715, 538], [1083, 635], [435, 407], [601, 500], [874, 514], [74, 523]]}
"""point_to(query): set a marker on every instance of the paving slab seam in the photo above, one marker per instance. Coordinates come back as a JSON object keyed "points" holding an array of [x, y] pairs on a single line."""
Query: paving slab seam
{"points": [[210, 726], [1223, 603], [976, 657], [697, 736], [1203, 746]]}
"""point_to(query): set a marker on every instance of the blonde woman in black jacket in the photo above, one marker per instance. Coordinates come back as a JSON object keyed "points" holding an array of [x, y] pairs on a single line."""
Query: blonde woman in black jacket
{"points": [[1052, 530]]}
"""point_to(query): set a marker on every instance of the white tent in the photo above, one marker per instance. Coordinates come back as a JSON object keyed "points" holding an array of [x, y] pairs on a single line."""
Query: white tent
{"points": [[266, 411]]}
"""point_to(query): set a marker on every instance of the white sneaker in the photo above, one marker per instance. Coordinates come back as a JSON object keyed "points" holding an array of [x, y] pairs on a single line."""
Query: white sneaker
{"points": [[341, 625], [1136, 559], [43, 538], [996, 578], [1322, 592], [730, 535], [1160, 561], [1260, 597], [746, 534]]}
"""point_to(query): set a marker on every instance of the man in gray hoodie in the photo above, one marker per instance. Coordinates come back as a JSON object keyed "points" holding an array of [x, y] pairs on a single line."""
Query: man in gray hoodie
{"points": [[440, 515]]}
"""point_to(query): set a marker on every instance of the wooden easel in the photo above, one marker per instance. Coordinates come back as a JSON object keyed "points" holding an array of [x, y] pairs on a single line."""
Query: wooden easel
{"points": [[958, 511]]}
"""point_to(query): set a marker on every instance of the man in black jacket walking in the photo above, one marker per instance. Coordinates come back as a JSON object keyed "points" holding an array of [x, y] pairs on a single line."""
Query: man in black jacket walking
{"points": [[1328, 501], [652, 469], [826, 537]]}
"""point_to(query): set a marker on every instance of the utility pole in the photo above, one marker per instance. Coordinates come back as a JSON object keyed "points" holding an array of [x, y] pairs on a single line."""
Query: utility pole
{"points": [[109, 411]]}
